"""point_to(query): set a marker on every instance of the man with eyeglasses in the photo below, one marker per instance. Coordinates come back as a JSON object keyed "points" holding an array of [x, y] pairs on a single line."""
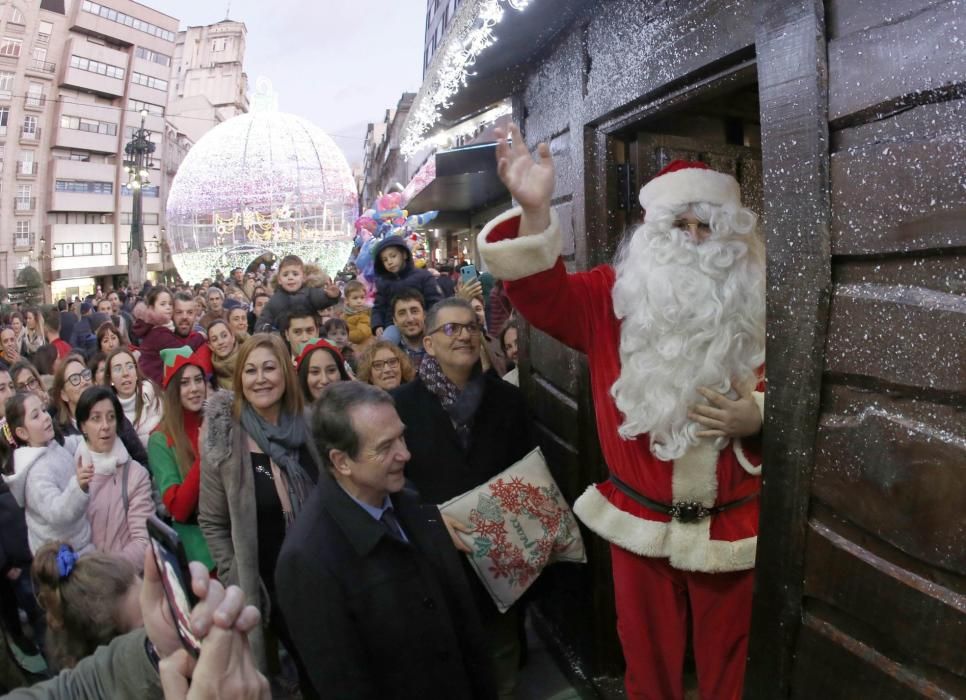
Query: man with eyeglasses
{"points": [[463, 427]]}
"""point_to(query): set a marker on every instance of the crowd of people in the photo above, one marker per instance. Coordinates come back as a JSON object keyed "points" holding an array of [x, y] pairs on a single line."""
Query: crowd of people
{"points": [[192, 402], [301, 439]]}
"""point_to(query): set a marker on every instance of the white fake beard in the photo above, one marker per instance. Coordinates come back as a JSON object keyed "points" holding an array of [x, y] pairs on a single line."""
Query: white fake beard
{"points": [[692, 315]]}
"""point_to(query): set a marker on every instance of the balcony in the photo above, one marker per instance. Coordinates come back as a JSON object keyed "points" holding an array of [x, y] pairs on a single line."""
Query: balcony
{"points": [[16, 28], [43, 39], [31, 135], [24, 203], [35, 102], [27, 168], [3, 131], [44, 67], [23, 241]]}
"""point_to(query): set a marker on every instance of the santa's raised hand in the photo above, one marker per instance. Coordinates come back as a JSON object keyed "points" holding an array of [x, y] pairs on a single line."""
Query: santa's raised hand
{"points": [[529, 180]]}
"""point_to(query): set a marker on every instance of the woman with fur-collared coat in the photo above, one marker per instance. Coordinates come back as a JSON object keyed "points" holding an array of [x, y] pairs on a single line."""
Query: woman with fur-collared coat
{"points": [[258, 466]]}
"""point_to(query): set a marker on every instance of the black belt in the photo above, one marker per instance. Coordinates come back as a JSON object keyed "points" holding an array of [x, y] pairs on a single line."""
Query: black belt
{"points": [[682, 511]]}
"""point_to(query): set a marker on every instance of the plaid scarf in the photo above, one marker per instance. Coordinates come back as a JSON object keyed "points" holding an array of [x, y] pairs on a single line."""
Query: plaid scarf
{"points": [[460, 405]]}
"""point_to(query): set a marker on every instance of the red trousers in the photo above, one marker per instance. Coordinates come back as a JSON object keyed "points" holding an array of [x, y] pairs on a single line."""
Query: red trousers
{"points": [[652, 614]]}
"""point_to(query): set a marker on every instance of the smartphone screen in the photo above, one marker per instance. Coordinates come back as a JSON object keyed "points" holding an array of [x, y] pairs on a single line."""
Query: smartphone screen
{"points": [[468, 274], [173, 564]]}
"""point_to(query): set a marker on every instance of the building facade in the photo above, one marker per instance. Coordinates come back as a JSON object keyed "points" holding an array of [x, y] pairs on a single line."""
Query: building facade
{"points": [[75, 78], [208, 80], [383, 165], [80, 74]]}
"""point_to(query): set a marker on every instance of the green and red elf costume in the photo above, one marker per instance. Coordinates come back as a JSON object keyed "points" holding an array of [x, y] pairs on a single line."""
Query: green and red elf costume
{"points": [[179, 490]]}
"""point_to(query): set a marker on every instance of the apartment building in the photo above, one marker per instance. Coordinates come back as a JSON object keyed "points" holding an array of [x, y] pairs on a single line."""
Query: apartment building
{"points": [[208, 81], [75, 77]]}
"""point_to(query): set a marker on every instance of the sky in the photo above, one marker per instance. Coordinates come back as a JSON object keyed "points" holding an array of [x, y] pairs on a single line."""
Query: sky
{"points": [[338, 63]]}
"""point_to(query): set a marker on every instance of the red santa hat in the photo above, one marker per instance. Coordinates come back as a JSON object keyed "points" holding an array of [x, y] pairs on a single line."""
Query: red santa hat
{"points": [[688, 181]]}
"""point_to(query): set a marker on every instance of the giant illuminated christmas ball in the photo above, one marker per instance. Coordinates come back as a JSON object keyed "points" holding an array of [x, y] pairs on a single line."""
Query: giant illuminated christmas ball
{"points": [[264, 182]]}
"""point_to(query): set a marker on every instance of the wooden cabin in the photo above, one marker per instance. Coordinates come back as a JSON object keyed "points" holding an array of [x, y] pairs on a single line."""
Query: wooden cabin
{"points": [[844, 121]]}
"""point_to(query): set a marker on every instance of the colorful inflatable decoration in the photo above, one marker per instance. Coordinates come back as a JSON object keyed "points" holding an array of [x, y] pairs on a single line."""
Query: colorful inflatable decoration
{"points": [[389, 217]]}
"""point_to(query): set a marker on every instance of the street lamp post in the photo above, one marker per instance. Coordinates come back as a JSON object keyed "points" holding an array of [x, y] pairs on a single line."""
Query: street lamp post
{"points": [[45, 280], [138, 152]]}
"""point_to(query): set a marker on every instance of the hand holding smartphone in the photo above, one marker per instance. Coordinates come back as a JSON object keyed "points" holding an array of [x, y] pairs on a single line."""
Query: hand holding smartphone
{"points": [[467, 274], [172, 563]]}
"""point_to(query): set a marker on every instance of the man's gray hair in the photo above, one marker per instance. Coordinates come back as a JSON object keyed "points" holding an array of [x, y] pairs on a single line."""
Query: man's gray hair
{"points": [[432, 316], [331, 423]]}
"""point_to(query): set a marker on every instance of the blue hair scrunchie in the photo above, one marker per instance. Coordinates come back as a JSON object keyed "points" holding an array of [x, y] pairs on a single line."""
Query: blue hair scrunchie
{"points": [[66, 559]]}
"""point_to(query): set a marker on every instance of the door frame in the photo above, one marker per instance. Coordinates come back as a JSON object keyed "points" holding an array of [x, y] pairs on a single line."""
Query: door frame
{"points": [[789, 62], [602, 142]]}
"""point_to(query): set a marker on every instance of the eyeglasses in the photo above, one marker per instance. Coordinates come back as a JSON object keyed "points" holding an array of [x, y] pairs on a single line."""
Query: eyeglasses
{"points": [[391, 363], [79, 377], [451, 330], [121, 369], [29, 385], [695, 227]]}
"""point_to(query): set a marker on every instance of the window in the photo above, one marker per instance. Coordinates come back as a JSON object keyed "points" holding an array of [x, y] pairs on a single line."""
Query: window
{"points": [[219, 44], [152, 109], [86, 64], [24, 198], [146, 219], [153, 56], [35, 95], [39, 53], [89, 125], [27, 164], [84, 186], [23, 227], [4, 115], [127, 20], [6, 85], [16, 16], [30, 125], [10, 46], [146, 191], [149, 81], [79, 217], [45, 28]]}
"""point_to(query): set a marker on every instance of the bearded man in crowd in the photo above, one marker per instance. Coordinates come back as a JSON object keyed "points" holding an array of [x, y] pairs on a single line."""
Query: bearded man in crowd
{"points": [[674, 333]]}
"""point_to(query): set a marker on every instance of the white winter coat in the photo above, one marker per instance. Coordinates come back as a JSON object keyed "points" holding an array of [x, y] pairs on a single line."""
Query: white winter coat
{"points": [[45, 485]]}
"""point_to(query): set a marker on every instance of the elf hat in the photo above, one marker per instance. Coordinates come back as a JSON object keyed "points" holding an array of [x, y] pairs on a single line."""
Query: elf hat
{"points": [[317, 344], [687, 181], [176, 358]]}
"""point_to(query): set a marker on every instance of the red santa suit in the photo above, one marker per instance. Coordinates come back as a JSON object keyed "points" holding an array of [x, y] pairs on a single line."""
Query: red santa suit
{"points": [[658, 563]]}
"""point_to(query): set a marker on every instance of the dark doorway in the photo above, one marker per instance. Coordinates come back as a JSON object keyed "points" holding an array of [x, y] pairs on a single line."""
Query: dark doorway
{"points": [[719, 126]]}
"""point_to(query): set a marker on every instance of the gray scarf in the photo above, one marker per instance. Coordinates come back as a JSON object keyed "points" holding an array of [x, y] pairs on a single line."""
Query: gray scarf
{"points": [[281, 443]]}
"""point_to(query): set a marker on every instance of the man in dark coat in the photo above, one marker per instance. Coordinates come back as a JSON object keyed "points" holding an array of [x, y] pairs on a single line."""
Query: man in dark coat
{"points": [[464, 427], [371, 587]]}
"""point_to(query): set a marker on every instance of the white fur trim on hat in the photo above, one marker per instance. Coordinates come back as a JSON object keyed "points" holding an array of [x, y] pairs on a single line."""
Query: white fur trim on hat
{"points": [[522, 256], [690, 185]]}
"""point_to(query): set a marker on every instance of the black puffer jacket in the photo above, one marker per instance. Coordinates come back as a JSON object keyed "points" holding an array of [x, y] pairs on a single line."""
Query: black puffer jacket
{"points": [[389, 284]]}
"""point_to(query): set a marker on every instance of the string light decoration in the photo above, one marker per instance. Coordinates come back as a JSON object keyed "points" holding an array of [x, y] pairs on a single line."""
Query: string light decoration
{"points": [[263, 182], [470, 33]]}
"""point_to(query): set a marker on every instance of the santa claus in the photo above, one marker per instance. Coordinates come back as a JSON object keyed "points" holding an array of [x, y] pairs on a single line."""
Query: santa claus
{"points": [[674, 333]]}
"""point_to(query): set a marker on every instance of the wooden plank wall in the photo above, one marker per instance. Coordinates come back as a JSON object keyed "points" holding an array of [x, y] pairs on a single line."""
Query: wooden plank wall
{"points": [[794, 144], [885, 552]]}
